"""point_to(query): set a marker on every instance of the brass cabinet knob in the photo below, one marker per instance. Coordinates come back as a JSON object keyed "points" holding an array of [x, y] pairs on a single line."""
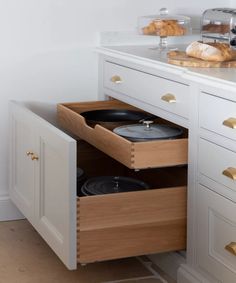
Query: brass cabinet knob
{"points": [[230, 123], [116, 79], [170, 98], [28, 153], [231, 248], [230, 172], [34, 157]]}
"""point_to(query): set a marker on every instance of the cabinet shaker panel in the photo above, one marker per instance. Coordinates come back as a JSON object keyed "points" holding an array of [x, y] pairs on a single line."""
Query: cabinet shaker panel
{"points": [[21, 165], [56, 192]]}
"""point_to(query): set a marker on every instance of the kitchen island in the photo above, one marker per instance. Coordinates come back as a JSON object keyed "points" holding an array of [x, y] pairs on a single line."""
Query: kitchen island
{"points": [[204, 101]]}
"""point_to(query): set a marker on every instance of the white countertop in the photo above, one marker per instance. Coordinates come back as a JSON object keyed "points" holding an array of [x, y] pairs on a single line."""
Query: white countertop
{"points": [[152, 57]]}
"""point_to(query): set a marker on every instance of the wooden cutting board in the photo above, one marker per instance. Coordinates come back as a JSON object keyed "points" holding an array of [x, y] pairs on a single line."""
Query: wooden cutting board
{"points": [[180, 58]]}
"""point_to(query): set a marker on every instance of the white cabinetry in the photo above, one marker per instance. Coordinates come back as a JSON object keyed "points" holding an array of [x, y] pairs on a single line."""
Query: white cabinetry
{"points": [[215, 224], [208, 104], [164, 93], [216, 230], [45, 189], [43, 179]]}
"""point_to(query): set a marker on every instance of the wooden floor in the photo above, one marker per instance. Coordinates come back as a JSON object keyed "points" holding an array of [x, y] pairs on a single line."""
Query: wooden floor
{"points": [[26, 258]]}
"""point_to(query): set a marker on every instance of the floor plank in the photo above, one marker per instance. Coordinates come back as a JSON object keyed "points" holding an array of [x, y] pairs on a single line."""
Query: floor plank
{"points": [[26, 258]]}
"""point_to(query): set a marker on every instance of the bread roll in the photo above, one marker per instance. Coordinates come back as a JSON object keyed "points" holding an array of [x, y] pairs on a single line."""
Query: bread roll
{"points": [[169, 28], [217, 52], [150, 29], [164, 28]]}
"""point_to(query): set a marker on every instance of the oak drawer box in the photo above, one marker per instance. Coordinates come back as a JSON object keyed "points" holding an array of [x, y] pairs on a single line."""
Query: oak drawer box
{"points": [[130, 224], [166, 94], [216, 235], [218, 115], [218, 164], [136, 155]]}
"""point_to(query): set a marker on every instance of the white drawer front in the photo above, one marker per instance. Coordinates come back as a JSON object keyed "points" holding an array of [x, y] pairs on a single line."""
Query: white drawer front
{"points": [[214, 111], [215, 161], [149, 88], [216, 230]]}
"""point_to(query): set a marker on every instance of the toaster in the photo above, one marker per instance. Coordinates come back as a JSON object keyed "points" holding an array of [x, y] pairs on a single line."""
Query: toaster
{"points": [[219, 24]]}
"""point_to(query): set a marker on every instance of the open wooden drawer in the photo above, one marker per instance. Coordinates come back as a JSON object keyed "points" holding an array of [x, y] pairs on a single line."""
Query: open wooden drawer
{"points": [[133, 223], [130, 224], [136, 155]]}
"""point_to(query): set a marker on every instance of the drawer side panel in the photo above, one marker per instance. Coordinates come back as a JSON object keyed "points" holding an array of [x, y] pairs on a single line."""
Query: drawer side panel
{"points": [[101, 138]]}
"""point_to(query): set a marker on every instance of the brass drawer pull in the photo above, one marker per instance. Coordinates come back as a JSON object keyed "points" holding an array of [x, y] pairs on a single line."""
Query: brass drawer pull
{"points": [[230, 123], [34, 157], [231, 248], [230, 173], [116, 79], [170, 98]]}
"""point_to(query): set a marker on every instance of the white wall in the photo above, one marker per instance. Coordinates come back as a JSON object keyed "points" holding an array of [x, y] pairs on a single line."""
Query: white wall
{"points": [[46, 48]]}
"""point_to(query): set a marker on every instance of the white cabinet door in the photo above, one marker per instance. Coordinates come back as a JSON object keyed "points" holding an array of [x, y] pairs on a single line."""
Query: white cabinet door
{"points": [[21, 166], [51, 191], [56, 191]]}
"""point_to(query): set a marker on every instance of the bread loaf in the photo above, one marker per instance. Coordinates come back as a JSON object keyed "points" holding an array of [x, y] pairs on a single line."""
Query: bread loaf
{"points": [[217, 52], [213, 28]]}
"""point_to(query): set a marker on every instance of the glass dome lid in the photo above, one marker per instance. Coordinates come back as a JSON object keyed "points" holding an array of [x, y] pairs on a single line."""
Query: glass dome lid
{"points": [[164, 15], [164, 25]]}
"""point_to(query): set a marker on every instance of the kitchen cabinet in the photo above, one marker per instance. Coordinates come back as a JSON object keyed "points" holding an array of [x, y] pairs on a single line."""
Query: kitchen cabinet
{"points": [[96, 228], [202, 101], [163, 92], [215, 223]]}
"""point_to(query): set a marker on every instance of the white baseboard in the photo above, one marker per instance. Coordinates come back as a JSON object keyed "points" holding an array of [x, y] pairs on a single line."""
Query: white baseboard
{"points": [[168, 262], [186, 274], [8, 211], [174, 264]]}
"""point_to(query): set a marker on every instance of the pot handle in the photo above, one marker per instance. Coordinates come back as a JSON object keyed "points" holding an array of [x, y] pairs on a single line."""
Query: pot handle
{"points": [[150, 117], [148, 123]]}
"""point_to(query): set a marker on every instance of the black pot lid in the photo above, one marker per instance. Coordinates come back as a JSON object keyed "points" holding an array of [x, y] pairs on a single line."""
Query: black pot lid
{"points": [[80, 172], [112, 184], [148, 131]]}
